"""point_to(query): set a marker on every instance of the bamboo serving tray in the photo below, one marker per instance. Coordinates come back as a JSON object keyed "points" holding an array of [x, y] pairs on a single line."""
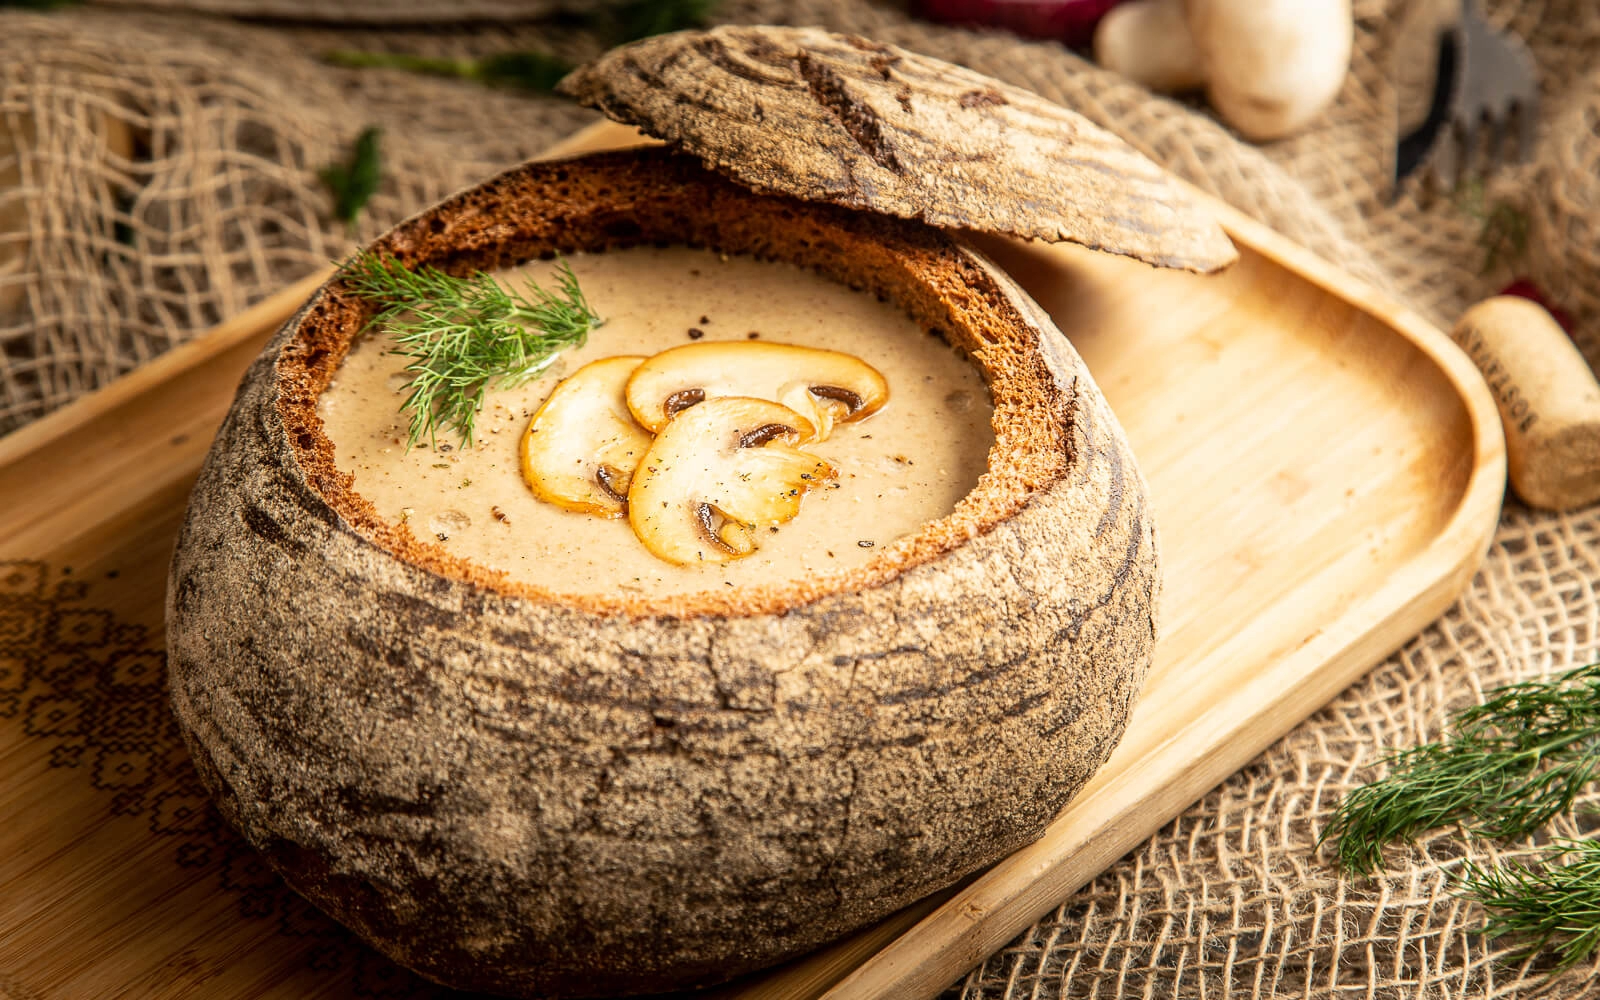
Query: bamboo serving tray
{"points": [[1326, 470]]}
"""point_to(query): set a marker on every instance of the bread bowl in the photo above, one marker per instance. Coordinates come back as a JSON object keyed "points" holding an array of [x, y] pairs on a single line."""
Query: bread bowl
{"points": [[514, 787]]}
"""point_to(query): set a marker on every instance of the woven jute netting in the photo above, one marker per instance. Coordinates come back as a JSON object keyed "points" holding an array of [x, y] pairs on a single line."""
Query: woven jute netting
{"points": [[158, 173]]}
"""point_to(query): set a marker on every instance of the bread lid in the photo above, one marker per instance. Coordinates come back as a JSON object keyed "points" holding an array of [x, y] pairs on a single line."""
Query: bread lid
{"points": [[836, 118]]}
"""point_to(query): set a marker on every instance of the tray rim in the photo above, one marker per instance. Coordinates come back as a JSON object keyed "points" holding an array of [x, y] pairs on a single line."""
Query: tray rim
{"points": [[931, 944], [922, 961]]}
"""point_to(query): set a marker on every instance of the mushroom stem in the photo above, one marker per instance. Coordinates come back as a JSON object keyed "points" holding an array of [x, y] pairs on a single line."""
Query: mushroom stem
{"points": [[1272, 66], [1148, 41]]}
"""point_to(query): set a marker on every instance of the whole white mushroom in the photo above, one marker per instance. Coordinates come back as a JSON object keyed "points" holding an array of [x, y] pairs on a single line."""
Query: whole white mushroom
{"points": [[1269, 66], [1272, 66]]}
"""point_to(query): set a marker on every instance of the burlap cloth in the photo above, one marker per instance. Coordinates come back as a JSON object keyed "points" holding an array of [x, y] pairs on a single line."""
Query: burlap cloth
{"points": [[158, 174]]}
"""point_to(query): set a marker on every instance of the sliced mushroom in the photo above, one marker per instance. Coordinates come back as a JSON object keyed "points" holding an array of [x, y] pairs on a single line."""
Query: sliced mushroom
{"points": [[717, 472], [820, 386], [580, 450]]}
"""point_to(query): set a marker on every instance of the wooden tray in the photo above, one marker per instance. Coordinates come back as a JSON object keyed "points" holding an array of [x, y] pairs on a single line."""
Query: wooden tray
{"points": [[1326, 469]]}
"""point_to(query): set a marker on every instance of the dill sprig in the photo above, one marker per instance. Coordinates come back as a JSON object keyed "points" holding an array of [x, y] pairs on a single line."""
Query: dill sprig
{"points": [[1553, 906], [534, 72], [538, 72], [464, 336], [642, 18], [1514, 762], [354, 182]]}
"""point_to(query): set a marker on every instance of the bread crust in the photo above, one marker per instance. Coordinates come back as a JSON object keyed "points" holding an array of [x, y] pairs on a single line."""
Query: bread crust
{"points": [[515, 791], [844, 120]]}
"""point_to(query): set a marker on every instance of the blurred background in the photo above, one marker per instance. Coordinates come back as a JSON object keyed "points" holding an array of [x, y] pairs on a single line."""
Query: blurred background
{"points": [[163, 164]]}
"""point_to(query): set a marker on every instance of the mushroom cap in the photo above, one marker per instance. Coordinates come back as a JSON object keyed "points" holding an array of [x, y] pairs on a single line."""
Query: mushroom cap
{"points": [[581, 447], [521, 791], [784, 373], [730, 458], [836, 118]]}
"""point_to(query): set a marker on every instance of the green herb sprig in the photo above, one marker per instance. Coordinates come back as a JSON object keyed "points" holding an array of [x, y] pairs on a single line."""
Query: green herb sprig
{"points": [[534, 72], [643, 18], [465, 336], [538, 72], [1512, 764], [354, 182], [1554, 906]]}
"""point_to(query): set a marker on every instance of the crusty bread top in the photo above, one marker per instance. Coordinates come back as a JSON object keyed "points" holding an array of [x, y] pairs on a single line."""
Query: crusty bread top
{"points": [[654, 196], [840, 119]]}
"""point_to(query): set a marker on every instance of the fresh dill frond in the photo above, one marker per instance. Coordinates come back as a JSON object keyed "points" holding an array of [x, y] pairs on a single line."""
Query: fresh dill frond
{"points": [[534, 72], [1554, 906], [353, 183], [538, 72], [637, 19], [1513, 763], [467, 335]]}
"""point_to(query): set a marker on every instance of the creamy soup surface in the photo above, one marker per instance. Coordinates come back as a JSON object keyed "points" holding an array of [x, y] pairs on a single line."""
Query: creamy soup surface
{"points": [[905, 465]]}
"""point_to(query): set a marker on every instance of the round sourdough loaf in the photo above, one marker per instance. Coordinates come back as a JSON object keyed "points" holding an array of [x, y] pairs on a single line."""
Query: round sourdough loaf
{"points": [[514, 789]]}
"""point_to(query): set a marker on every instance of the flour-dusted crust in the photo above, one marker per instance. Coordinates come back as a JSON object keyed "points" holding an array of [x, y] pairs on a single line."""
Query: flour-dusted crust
{"points": [[840, 119], [513, 791]]}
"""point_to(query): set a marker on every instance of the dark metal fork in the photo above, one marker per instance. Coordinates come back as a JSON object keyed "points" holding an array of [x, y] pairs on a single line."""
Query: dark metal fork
{"points": [[1494, 102]]}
